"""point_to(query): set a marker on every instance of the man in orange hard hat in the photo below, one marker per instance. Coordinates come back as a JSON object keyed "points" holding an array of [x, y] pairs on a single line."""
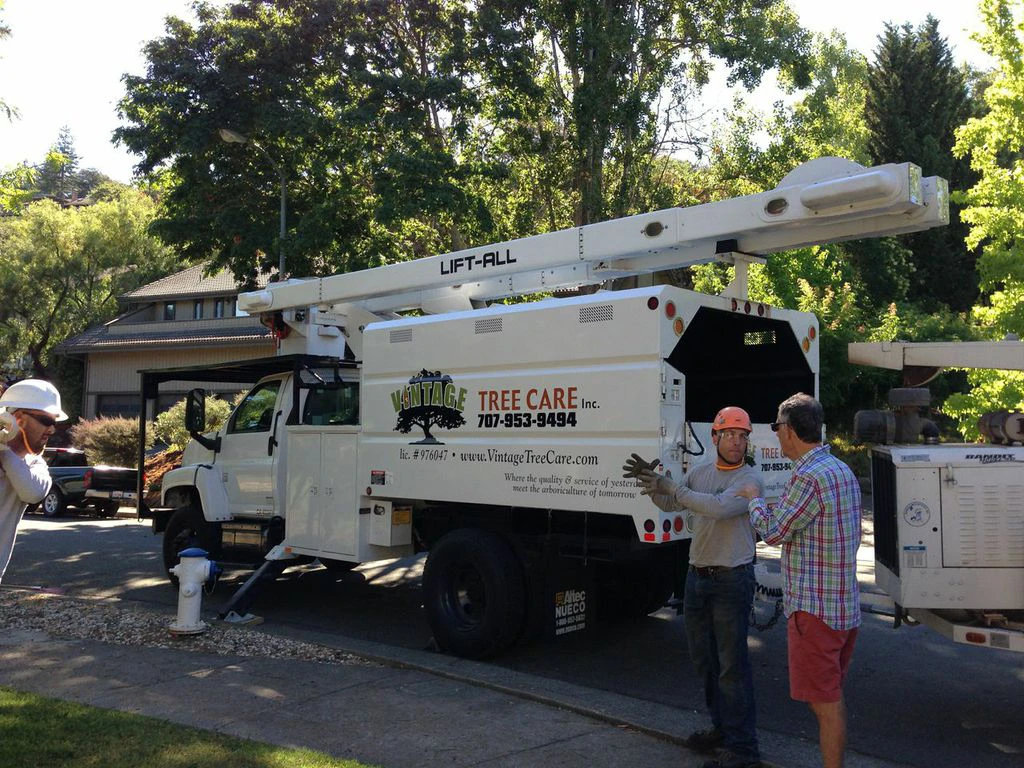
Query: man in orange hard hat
{"points": [[719, 585]]}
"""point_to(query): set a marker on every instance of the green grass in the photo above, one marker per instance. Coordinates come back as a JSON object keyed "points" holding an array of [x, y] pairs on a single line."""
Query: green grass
{"points": [[37, 732]]}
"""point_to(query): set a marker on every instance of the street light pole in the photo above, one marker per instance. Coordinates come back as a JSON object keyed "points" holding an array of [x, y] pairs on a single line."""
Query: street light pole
{"points": [[233, 137]]}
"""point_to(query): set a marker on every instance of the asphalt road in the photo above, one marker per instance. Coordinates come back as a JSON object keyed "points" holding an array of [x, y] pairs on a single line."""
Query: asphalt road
{"points": [[914, 697]]}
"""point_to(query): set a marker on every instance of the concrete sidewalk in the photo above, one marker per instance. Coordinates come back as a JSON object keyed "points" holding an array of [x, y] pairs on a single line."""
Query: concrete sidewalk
{"points": [[395, 707]]}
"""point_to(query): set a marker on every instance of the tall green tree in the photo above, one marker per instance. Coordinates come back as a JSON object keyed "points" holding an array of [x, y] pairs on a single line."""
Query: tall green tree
{"points": [[62, 270], [852, 287], [413, 126], [614, 80], [916, 98], [364, 105], [57, 173], [993, 207]]}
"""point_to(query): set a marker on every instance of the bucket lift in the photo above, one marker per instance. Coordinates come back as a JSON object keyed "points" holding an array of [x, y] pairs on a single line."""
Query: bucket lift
{"points": [[823, 200]]}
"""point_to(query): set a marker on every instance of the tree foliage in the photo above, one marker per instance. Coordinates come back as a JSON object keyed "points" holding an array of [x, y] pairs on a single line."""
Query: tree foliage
{"points": [[57, 177], [363, 105], [858, 289], [56, 174], [416, 126], [61, 270], [916, 98], [169, 427], [993, 143]]}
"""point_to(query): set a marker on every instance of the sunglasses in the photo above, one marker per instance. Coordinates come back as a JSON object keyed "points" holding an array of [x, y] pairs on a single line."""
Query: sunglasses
{"points": [[46, 421], [776, 424]]}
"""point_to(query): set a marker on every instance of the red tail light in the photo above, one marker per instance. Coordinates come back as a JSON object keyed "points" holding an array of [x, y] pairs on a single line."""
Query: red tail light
{"points": [[87, 479]]}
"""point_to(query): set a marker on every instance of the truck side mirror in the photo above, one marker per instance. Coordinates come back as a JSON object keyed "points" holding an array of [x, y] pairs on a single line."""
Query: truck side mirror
{"points": [[195, 419], [195, 410]]}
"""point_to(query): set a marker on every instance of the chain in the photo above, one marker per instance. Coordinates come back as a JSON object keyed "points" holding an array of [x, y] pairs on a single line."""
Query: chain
{"points": [[771, 622]]}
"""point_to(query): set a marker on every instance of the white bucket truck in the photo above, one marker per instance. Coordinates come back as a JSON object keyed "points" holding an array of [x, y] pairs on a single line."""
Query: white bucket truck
{"points": [[949, 518], [494, 436]]}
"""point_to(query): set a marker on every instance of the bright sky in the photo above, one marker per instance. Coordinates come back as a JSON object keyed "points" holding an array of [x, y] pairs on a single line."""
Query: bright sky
{"points": [[62, 64]]}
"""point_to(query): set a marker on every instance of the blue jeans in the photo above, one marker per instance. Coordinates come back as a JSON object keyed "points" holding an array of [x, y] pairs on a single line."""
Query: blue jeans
{"points": [[716, 608]]}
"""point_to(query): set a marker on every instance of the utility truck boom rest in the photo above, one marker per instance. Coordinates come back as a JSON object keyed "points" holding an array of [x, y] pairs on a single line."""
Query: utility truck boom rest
{"points": [[494, 436]]}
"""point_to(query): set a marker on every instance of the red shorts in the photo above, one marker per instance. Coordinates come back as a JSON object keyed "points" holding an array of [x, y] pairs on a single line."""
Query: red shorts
{"points": [[819, 657]]}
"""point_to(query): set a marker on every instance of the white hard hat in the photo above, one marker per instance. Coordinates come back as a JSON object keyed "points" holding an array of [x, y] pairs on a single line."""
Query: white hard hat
{"points": [[36, 395]]}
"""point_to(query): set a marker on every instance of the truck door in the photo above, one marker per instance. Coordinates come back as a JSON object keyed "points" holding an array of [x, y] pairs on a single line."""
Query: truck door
{"points": [[322, 495], [249, 450]]}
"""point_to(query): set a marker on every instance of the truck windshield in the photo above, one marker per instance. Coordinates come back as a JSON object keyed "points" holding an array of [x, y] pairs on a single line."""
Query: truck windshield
{"points": [[332, 405]]}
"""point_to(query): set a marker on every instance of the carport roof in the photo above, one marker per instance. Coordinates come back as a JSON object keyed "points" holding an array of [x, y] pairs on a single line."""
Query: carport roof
{"points": [[239, 371]]}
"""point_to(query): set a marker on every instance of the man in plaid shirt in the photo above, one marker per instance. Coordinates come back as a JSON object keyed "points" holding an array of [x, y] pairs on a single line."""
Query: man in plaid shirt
{"points": [[817, 522]]}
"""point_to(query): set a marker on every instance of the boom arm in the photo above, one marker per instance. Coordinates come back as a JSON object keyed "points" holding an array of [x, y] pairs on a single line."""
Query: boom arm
{"points": [[900, 355], [823, 200]]}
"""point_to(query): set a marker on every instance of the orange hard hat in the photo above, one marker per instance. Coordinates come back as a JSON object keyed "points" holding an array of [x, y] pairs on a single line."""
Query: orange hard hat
{"points": [[731, 417]]}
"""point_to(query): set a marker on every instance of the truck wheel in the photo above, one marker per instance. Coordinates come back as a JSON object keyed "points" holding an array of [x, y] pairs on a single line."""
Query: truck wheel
{"points": [[108, 508], [53, 503], [188, 528], [475, 593]]}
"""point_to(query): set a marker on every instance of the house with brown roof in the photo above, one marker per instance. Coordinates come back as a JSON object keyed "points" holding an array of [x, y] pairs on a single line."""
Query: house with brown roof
{"points": [[187, 318]]}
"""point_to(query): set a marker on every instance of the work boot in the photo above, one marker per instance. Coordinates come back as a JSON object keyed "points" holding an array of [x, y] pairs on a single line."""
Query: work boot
{"points": [[705, 741], [727, 759]]}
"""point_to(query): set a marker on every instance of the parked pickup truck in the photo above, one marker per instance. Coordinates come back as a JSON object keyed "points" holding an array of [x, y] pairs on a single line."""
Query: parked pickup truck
{"points": [[100, 488]]}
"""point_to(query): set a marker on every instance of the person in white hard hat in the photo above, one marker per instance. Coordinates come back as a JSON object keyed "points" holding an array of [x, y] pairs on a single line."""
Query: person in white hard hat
{"points": [[24, 476]]}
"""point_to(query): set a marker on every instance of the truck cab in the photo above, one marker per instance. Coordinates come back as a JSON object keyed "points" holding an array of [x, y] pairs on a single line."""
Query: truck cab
{"points": [[228, 493]]}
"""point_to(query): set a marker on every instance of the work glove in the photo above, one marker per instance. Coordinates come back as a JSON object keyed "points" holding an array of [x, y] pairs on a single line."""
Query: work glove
{"points": [[635, 465], [653, 483]]}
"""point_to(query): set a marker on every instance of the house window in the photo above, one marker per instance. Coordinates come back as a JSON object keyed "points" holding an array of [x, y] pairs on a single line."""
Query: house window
{"points": [[166, 400], [117, 405], [197, 309], [218, 307], [169, 310]]}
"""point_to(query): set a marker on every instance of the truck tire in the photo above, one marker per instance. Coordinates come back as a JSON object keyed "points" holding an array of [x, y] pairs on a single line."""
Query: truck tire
{"points": [[108, 508], [188, 528], [474, 591], [53, 503]]}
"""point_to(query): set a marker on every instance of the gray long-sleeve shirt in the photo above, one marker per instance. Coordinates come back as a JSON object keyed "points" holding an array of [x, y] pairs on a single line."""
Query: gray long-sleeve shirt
{"points": [[722, 533], [23, 481]]}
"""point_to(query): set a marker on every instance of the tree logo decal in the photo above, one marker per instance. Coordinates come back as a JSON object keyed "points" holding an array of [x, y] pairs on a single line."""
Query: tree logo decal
{"points": [[430, 400]]}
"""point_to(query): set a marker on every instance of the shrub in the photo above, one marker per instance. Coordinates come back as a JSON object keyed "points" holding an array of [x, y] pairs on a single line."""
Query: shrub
{"points": [[109, 440], [854, 454], [170, 425]]}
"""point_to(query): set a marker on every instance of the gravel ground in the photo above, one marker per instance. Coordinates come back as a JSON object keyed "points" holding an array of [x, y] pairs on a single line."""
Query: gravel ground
{"points": [[75, 619]]}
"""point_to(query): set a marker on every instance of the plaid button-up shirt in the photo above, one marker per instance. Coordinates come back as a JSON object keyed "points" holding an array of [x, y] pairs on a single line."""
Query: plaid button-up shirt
{"points": [[817, 522]]}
